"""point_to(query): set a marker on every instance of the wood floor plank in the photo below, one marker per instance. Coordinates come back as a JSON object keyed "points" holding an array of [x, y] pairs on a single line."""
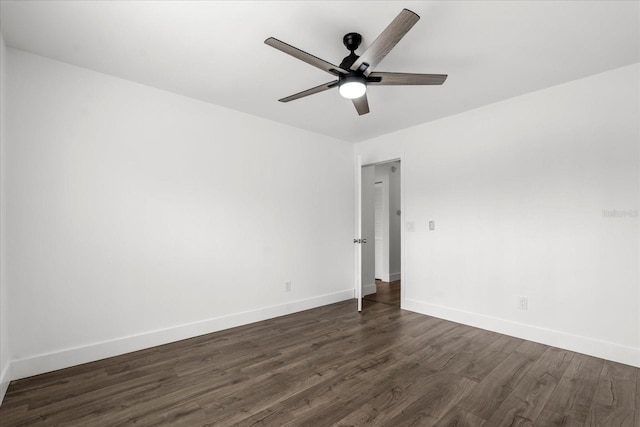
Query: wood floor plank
{"points": [[334, 366], [550, 418], [436, 397], [476, 359], [308, 394], [396, 389], [476, 364], [428, 340], [613, 401], [505, 344], [527, 400], [574, 393], [97, 400], [532, 350], [386, 293], [273, 416], [489, 393], [366, 415], [457, 417]]}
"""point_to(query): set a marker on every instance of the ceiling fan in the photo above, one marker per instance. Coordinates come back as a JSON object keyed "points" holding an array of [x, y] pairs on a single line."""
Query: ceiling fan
{"points": [[355, 72]]}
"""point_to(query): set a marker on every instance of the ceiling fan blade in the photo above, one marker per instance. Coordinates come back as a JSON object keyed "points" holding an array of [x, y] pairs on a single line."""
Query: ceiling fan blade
{"points": [[361, 104], [311, 91], [304, 56], [388, 79], [386, 41]]}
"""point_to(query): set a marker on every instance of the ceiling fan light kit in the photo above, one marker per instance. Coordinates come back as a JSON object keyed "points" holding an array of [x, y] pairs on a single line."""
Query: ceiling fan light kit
{"points": [[356, 72], [352, 86]]}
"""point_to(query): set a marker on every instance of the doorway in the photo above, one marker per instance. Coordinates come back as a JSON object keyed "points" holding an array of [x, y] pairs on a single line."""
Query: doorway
{"points": [[380, 226]]}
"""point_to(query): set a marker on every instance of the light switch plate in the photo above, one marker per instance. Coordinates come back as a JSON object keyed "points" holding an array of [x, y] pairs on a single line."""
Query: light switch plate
{"points": [[432, 225]]}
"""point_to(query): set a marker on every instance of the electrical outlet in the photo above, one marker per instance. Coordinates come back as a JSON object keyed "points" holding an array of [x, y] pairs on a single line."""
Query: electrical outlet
{"points": [[523, 303], [287, 286]]}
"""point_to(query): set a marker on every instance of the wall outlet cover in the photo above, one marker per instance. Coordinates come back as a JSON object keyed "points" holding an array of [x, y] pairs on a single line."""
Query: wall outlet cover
{"points": [[523, 303]]}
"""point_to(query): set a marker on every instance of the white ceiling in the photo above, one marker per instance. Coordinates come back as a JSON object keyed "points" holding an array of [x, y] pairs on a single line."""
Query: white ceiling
{"points": [[214, 51]]}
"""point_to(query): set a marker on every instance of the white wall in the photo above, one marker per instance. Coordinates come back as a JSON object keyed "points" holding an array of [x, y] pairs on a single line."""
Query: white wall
{"points": [[4, 305], [517, 190], [135, 216]]}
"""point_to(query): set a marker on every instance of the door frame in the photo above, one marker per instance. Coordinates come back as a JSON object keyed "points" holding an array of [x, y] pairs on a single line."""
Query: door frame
{"points": [[359, 163]]}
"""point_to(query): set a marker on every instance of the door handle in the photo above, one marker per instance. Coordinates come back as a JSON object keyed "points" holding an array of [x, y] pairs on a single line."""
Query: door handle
{"points": [[364, 240], [356, 240]]}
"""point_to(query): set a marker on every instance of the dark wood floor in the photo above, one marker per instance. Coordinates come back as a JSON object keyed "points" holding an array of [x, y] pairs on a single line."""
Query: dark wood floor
{"points": [[333, 366], [386, 293]]}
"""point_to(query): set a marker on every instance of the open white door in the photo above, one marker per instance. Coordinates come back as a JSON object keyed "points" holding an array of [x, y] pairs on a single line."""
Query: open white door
{"points": [[358, 264], [365, 229]]}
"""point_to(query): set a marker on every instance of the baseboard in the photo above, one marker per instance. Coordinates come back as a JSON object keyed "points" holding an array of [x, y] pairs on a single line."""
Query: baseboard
{"points": [[369, 289], [391, 277], [5, 379], [580, 344], [26, 367]]}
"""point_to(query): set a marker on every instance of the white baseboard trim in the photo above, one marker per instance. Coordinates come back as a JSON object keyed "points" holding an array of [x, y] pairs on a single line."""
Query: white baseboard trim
{"points": [[5, 379], [39, 364], [578, 343], [391, 277], [369, 289]]}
